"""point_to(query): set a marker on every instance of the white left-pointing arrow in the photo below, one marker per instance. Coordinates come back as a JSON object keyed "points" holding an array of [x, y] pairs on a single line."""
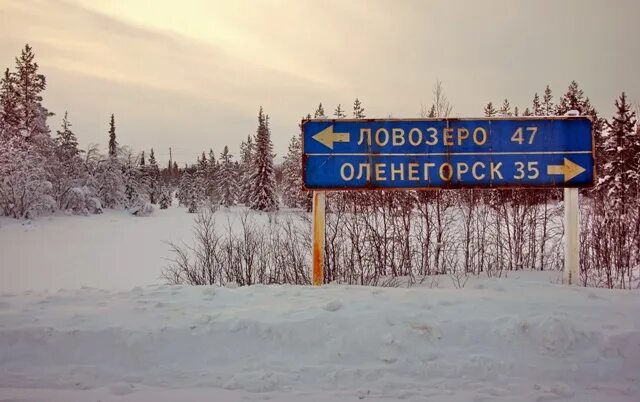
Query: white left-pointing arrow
{"points": [[327, 137]]}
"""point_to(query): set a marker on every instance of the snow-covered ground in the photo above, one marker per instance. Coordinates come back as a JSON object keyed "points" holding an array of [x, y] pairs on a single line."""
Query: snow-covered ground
{"points": [[114, 250], [521, 338]]}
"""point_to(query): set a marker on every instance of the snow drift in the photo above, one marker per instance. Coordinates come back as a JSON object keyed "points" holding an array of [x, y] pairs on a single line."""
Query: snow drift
{"points": [[497, 339]]}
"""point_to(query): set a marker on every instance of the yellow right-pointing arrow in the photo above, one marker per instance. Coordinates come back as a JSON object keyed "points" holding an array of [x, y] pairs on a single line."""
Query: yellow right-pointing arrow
{"points": [[569, 169]]}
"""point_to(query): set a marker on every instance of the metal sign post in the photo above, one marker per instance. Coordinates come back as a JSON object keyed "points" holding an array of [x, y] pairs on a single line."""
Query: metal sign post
{"points": [[385, 154]]}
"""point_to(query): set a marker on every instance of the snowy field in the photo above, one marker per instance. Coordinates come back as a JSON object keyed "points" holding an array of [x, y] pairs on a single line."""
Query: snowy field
{"points": [[84, 316], [113, 251]]}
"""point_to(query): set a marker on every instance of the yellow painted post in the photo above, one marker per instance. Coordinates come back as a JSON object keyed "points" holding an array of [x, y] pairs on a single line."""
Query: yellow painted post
{"points": [[318, 237]]}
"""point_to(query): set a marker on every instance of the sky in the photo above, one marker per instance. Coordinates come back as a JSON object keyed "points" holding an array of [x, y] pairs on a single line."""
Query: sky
{"points": [[192, 74]]}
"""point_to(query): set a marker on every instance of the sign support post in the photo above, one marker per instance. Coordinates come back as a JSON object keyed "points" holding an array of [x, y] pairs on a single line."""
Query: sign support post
{"points": [[318, 237], [571, 275]]}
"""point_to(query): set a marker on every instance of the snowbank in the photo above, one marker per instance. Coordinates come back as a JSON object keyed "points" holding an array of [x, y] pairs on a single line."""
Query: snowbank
{"points": [[520, 338]]}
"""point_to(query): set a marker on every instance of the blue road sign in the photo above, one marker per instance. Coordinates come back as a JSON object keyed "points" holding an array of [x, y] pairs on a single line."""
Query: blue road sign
{"points": [[447, 153]]}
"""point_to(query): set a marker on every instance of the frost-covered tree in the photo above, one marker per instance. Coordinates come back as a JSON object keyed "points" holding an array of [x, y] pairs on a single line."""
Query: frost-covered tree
{"points": [[227, 180], [505, 109], [246, 170], [210, 178], [620, 177], [293, 194], [113, 143], [319, 114], [153, 178], [110, 184], [339, 113], [184, 189], [490, 110], [358, 110], [29, 87], [25, 190], [9, 116], [536, 106], [165, 198], [73, 187], [263, 196], [548, 108]]}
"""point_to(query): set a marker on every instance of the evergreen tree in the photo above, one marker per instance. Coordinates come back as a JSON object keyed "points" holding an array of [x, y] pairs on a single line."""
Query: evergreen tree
{"points": [[319, 114], [621, 175], [9, 115], [547, 103], [339, 113], [536, 106], [526, 112], [516, 112], [227, 184], [153, 178], [29, 86], [489, 110], [293, 194], [246, 170], [113, 144], [358, 110], [263, 196], [142, 160], [505, 109], [66, 139], [110, 183], [165, 198], [184, 189]]}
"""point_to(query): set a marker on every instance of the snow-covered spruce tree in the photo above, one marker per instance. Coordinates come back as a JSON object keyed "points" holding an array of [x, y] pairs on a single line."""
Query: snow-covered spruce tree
{"points": [[227, 179], [29, 88], [27, 150], [72, 184], [536, 106], [505, 109], [164, 198], [263, 196], [319, 114], [246, 170], [136, 187], [210, 174], [113, 143], [293, 195], [9, 117], [490, 110], [618, 186], [339, 113], [620, 176], [108, 176], [184, 189], [548, 109], [153, 178], [358, 110]]}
